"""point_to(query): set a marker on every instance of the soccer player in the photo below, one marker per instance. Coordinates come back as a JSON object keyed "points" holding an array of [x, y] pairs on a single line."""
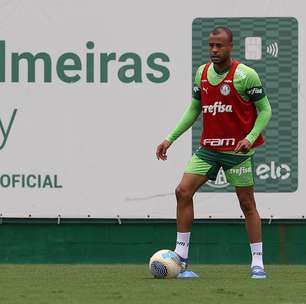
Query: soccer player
{"points": [[235, 112]]}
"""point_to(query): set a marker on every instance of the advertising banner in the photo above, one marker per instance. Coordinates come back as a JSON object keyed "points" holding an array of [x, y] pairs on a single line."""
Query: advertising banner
{"points": [[270, 46], [89, 89]]}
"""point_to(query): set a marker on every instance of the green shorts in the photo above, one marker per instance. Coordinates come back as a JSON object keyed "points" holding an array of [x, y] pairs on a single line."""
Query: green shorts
{"points": [[238, 168]]}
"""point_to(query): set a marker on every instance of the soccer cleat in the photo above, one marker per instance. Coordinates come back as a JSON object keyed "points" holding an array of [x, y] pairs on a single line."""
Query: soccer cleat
{"points": [[185, 273], [183, 263], [258, 272]]}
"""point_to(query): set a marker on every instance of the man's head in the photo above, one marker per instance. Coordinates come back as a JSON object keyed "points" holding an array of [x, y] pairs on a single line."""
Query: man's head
{"points": [[220, 44]]}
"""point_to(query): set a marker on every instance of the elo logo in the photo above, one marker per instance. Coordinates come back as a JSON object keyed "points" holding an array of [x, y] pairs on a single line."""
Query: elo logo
{"points": [[265, 171]]}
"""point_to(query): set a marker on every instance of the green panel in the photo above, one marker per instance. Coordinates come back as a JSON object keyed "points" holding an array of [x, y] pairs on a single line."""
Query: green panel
{"points": [[212, 242], [278, 71]]}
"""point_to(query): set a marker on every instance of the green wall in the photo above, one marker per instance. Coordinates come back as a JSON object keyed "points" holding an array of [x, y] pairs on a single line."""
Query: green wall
{"points": [[134, 241]]}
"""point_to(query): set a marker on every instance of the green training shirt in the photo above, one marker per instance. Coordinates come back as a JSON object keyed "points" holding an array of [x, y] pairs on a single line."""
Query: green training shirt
{"points": [[246, 82]]}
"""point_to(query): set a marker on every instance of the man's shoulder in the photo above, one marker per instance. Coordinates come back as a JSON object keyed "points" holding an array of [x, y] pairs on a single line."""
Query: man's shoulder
{"points": [[201, 68], [245, 72], [246, 78], [199, 74]]}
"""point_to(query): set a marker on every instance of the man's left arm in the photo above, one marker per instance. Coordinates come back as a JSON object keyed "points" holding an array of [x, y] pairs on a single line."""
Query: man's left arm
{"points": [[264, 113], [256, 94]]}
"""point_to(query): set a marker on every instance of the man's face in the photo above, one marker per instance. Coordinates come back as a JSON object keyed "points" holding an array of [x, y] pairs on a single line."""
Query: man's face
{"points": [[219, 47]]}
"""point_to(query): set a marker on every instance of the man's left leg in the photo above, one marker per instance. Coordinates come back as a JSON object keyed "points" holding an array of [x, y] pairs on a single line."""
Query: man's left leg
{"points": [[241, 176], [252, 218], [253, 228]]}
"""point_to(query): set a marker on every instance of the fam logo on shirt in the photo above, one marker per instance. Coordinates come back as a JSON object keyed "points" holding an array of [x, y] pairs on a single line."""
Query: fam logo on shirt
{"points": [[225, 89]]}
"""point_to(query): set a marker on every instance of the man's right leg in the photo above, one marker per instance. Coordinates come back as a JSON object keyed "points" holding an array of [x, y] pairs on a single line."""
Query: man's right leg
{"points": [[196, 174], [184, 192], [184, 212], [201, 165]]}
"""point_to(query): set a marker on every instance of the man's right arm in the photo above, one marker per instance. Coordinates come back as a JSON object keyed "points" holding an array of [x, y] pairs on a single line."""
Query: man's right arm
{"points": [[187, 120], [192, 112]]}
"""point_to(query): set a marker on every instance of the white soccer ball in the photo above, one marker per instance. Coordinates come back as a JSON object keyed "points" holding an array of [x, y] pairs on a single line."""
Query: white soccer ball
{"points": [[165, 264]]}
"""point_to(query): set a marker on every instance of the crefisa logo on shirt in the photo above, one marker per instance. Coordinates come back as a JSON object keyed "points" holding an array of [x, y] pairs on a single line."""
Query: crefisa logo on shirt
{"points": [[217, 107], [225, 89]]}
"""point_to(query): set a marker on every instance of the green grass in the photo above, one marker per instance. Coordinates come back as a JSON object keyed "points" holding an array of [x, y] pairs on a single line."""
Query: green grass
{"points": [[103, 284]]}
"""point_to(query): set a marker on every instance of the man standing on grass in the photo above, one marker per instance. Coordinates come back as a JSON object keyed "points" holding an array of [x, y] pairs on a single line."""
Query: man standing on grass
{"points": [[235, 112]]}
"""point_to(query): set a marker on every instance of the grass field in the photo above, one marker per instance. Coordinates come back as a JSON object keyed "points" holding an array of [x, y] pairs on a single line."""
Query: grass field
{"points": [[103, 284]]}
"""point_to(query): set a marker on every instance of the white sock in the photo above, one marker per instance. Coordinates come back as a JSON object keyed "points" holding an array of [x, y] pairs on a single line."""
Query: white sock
{"points": [[256, 250], [182, 244]]}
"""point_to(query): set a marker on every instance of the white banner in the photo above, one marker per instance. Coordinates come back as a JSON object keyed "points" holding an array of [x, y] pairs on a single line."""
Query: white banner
{"points": [[88, 89]]}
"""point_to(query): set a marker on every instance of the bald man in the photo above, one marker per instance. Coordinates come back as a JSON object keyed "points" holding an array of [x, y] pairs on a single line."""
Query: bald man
{"points": [[235, 111]]}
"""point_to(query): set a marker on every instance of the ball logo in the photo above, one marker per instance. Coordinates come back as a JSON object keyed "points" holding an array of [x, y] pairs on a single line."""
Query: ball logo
{"points": [[220, 182], [225, 89]]}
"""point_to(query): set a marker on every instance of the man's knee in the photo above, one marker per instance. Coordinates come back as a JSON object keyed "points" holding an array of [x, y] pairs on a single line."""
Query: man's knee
{"points": [[183, 193], [247, 204]]}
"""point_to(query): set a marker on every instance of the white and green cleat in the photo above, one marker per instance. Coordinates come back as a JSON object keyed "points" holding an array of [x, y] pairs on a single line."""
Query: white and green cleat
{"points": [[185, 274], [258, 272]]}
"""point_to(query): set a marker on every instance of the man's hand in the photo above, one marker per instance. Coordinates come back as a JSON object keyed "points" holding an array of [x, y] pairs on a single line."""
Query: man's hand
{"points": [[161, 151], [243, 146]]}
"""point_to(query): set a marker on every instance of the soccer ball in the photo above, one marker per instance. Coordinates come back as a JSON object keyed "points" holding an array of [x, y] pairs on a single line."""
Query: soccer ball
{"points": [[165, 264]]}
